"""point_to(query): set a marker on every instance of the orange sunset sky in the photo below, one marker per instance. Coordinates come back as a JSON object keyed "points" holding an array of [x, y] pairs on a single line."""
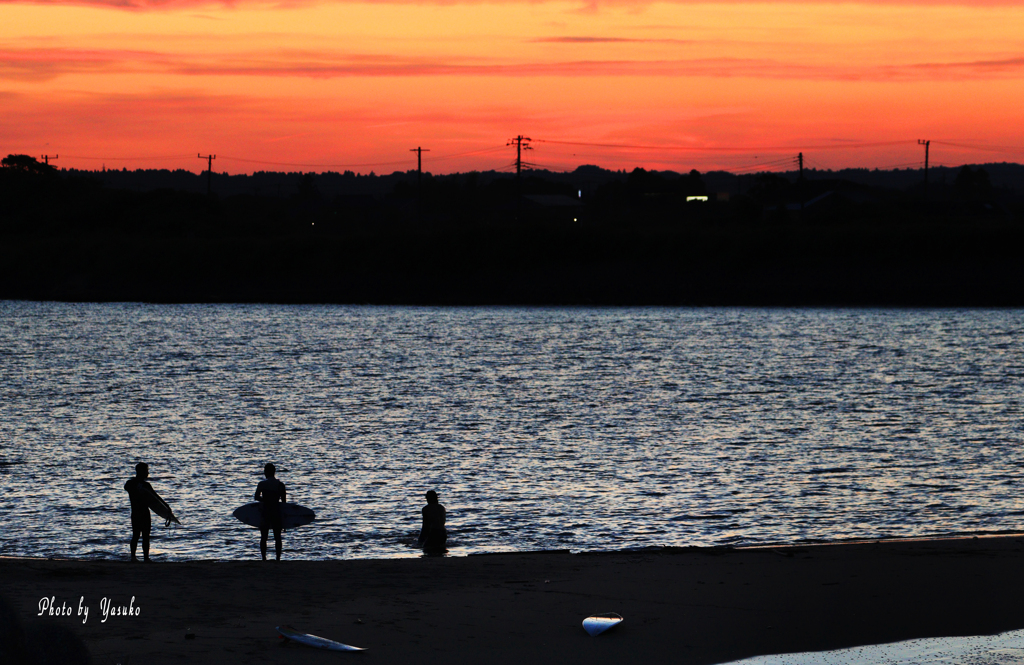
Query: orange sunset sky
{"points": [[331, 85]]}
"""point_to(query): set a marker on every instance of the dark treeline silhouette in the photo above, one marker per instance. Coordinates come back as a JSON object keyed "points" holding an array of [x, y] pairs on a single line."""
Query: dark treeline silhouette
{"points": [[591, 236], [331, 184]]}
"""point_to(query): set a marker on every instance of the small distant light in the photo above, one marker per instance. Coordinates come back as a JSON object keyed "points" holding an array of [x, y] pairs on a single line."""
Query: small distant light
{"points": [[312, 224], [696, 198], [574, 219], [580, 194]]}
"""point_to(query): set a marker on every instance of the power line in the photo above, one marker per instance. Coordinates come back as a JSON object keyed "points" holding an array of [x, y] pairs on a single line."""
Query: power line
{"points": [[359, 164], [524, 143], [130, 159], [766, 166], [980, 146], [840, 146], [918, 164], [319, 166], [815, 164], [469, 154]]}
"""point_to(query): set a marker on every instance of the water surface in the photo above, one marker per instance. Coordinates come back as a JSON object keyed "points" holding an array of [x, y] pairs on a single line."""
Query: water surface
{"points": [[1002, 649], [552, 428]]}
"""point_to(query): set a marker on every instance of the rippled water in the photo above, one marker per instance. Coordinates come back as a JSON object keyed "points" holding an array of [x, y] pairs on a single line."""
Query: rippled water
{"points": [[541, 428], [1001, 649], [1004, 649]]}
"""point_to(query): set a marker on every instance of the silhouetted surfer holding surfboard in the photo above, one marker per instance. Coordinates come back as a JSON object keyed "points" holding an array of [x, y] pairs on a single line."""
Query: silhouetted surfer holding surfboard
{"points": [[141, 523], [433, 535], [271, 494]]}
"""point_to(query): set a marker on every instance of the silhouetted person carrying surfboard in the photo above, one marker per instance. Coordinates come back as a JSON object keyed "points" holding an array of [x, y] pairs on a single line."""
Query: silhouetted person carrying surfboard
{"points": [[433, 535], [271, 494], [141, 523]]}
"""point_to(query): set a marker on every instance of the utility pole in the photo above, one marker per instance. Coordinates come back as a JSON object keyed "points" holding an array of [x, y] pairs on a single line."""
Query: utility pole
{"points": [[47, 158], [209, 171], [419, 176], [926, 144], [419, 164], [800, 183], [522, 143]]}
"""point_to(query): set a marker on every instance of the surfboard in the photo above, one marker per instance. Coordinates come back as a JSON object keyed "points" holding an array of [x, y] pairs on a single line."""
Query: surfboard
{"points": [[158, 505], [292, 515], [598, 623], [289, 633]]}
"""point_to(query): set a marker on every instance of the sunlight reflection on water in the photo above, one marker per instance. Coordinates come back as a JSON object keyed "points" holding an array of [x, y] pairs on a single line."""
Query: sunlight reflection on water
{"points": [[1002, 649], [541, 428]]}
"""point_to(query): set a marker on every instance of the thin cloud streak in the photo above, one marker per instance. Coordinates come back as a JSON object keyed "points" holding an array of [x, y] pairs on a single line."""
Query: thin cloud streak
{"points": [[1002, 65], [609, 40], [45, 64], [586, 6]]}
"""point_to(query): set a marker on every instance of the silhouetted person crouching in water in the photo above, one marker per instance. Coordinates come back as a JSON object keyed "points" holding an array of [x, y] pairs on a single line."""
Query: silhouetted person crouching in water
{"points": [[141, 523], [433, 535], [271, 494]]}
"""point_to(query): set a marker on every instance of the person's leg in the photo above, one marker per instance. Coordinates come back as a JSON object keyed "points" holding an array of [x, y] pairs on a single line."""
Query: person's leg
{"points": [[437, 541], [145, 543], [277, 542], [135, 541], [264, 532]]}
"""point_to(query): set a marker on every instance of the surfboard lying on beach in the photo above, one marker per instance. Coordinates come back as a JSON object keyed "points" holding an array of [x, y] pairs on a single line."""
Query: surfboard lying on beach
{"points": [[292, 515], [598, 623], [158, 505], [289, 633]]}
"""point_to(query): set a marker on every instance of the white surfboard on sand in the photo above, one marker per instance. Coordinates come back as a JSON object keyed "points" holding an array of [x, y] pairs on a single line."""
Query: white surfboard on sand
{"points": [[289, 633], [598, 623]]}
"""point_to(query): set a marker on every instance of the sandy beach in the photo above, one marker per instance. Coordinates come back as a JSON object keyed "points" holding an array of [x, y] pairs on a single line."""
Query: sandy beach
{"points": [[689, 605]]}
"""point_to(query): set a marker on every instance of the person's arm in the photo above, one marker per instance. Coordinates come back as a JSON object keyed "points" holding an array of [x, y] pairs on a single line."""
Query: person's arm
{"points": [[258, 493], [284, 493]]}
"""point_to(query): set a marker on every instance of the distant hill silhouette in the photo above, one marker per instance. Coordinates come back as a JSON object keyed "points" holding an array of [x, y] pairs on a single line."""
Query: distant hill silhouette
{"points": [[268, 183], [590, 236]]}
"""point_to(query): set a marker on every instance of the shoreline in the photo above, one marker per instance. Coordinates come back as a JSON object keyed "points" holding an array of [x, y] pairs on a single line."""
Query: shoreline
{"points": [[681, 605], [641, 549]]}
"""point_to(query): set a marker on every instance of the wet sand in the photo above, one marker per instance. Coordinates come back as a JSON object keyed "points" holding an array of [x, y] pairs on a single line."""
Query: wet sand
{"points": [[690, 605]]}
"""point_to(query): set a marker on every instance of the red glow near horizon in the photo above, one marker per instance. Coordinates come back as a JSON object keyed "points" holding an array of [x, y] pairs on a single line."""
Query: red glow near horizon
{"points": [[354, 86]]}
